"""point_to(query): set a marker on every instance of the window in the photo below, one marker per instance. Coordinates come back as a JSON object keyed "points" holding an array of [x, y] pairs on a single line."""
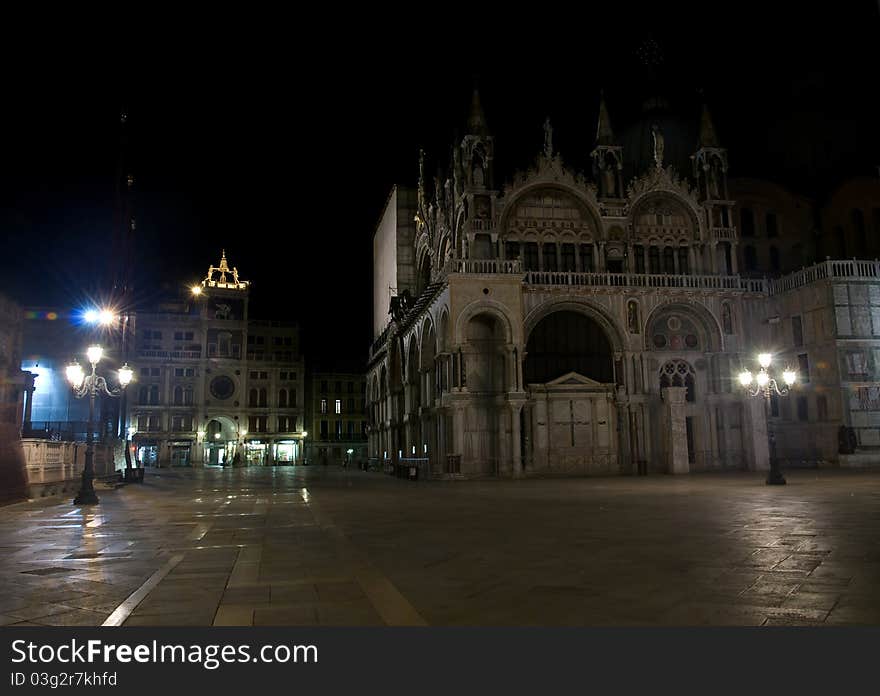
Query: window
{"points": [[253, 397], [145, 372], [668, 260], [276, 340], [654, 260], [264, 396], [639, 252], [338, 428], [154, 394], [531, 256], [282, 376], [568, 258], [338, 387], [683, 261], [772, 226], [351, 387], [797, 331], [178, 335], [349, 405], [293, 398], [802, 412], [178, 372], [223, 343], [324, 387], [550, 261], [155, 372], [284, 423], [511, 250], [178, 396], [586, 258], [324, 425], [750, 258], [323, 405], [350, 429], [857, 365], [282, 398], [803, 368], [188, 396], [181, 423], [338, 406]]}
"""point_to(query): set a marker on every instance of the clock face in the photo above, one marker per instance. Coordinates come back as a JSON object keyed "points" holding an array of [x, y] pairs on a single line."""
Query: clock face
{"points": [[222, 387]]}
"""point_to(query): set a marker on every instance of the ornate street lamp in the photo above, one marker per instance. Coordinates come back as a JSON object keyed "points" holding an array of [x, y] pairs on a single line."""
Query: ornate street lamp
{"points": [[762, 384], [90, 385]]}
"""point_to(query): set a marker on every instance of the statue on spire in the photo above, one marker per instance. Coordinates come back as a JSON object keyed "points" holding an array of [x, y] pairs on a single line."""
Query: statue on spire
{"points": [[658, 146]]}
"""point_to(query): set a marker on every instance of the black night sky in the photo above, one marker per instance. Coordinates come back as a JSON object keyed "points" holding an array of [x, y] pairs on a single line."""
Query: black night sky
{"points": [[280, 143]]}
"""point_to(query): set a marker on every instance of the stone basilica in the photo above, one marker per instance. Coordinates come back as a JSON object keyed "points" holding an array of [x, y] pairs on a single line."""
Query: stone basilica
{"points": [[562, 324]]}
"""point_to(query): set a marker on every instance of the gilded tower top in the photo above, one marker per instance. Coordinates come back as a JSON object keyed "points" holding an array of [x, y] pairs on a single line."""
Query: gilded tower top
{"points": [[219, 276]]}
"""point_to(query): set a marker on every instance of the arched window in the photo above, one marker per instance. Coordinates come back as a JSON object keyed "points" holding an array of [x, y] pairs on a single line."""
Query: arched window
{"points": [[282, 398], [178, 396], [263, 396], [550, 261], [654, 260], [683, 268], [678, 373], [252, 397], [669, 260], [154, 394], [188, 396], [293, 398]]}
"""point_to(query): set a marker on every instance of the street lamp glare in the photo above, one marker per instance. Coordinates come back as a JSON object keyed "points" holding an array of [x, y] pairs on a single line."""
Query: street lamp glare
{"points": [[106, 317], [95, 353], [305, 433], [125, 375], [216, 436], [764, 360], [91, 316], [745, 378], [762, 379], [196, 289], [789, 377], [75, 374]]}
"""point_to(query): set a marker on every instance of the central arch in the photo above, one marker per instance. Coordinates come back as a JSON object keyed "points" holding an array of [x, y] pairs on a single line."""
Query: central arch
{"points": [[568, 341]]}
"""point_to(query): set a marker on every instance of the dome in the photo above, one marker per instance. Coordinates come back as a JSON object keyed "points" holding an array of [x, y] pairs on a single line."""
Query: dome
{"points": [[679, 136]]}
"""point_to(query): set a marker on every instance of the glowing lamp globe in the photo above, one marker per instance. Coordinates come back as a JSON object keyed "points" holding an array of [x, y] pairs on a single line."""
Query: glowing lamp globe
{"points": [[745, 378], [106, 317], [762, 379], [91, 316], [789, 377], [75, 374], [764, 360], [94, 354], [125, 375]]}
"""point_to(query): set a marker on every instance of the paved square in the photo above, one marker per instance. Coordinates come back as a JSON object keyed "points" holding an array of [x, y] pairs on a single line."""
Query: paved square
{"points": [[315, 545]]}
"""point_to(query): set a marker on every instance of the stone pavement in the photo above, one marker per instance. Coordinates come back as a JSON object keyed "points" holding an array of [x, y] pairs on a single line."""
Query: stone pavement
{"points": [[315, 545]]}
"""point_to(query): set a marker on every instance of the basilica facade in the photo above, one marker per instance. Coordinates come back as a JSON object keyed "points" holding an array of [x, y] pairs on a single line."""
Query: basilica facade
{"points": [[570, 324]]}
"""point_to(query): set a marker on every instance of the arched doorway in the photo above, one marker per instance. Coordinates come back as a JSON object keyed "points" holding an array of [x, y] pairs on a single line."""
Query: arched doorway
{"points": [[221, 439], [570, 421]]}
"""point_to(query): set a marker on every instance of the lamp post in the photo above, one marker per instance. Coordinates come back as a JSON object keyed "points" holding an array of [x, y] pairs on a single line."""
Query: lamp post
{"points": [[763, 385], [90, 385]]}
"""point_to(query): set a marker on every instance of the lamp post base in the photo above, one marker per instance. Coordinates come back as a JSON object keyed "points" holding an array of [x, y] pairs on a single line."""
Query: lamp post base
{"points": [[86, 498], [775, 477]]}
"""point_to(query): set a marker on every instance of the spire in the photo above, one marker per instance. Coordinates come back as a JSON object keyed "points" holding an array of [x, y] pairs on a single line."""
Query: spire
{"points": [[477, 120], [708, 137], [604, 134]]}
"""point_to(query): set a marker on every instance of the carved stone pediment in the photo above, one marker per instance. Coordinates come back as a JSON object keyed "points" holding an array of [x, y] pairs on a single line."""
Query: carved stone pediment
{"points": [[663, 179], [550, 170], [573, 381]]}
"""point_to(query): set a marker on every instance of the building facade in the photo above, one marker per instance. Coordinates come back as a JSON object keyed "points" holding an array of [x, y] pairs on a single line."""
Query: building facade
{"points": [[338, 410], [564, 324], [213, 386]]}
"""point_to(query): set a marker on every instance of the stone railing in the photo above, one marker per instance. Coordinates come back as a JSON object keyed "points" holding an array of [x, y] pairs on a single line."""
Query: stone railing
{"points": [[53, 467], [485, 266], [642, 280], [722, 234], [842, 269], [171, 354]]}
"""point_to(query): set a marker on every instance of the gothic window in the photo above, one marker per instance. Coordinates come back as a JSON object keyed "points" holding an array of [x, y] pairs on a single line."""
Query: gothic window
{"points": [[531, 256], [683, 261], [511, 250], [747, 222], [726, 319], [586, 251], [550, 260], [654, 260], [568, 263], [678, 373], [668, 260], [639, 252]]}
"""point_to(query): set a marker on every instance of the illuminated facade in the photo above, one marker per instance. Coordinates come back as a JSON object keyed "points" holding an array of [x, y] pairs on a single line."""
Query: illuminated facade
{"points": [[214, 386], [570, 324]]}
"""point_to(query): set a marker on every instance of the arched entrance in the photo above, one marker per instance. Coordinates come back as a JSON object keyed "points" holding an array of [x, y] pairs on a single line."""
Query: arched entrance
{"points": [[221, 440], [570, 420]]}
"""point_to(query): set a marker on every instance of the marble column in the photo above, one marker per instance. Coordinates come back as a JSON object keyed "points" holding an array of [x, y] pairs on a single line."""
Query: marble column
{"points": [[515, 437], [676, 429]]}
